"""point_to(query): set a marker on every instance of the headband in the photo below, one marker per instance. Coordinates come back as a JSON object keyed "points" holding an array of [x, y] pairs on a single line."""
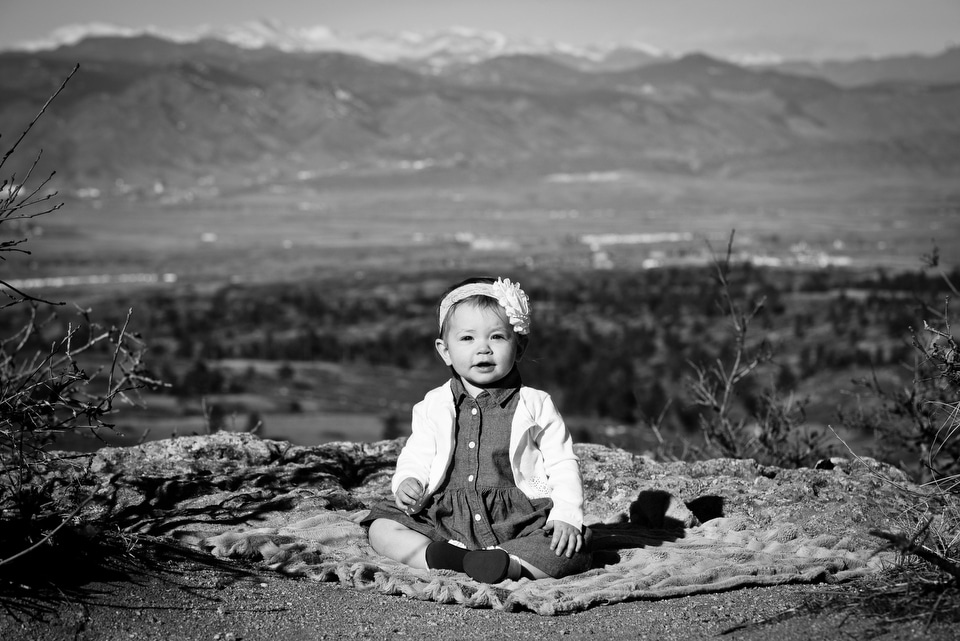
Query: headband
{"points": [[513, 300]]}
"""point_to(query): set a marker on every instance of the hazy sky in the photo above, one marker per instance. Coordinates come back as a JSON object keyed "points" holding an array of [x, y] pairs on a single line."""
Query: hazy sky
{"points": [[793, 28]]}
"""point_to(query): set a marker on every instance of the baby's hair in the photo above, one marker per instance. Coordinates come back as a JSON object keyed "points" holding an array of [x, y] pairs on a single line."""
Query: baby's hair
{"points": [[480, 301]]}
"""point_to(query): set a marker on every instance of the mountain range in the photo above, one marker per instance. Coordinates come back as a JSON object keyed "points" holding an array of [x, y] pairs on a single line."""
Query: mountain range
{"points": [[458, 46], [424, 52], [147, 109]]}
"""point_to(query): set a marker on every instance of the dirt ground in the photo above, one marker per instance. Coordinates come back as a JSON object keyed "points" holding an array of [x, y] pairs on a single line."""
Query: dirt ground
{"points": [[155, 591]]}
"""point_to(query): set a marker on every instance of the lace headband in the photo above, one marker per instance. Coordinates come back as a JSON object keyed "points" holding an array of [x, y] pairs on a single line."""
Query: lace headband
{"points": [[513, 300]]}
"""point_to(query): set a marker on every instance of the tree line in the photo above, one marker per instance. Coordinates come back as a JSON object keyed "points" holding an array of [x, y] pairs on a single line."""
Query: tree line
{"points": [[612, 344]]}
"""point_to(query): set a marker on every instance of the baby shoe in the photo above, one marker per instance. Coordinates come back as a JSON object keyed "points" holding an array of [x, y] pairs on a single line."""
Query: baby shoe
{"points": [[490, 566], [445, 556]]}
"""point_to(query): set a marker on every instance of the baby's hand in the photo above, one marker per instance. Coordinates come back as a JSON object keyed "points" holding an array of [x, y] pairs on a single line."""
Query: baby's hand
{"points": [[566, 539], [409, 492]]}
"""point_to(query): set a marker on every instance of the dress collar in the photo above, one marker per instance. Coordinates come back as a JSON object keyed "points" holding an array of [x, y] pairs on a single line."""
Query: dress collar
{"points": [[501, 393]]}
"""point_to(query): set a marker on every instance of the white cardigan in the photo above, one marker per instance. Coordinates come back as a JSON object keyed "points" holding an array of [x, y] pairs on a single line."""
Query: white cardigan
{"points": [[541, 451]]}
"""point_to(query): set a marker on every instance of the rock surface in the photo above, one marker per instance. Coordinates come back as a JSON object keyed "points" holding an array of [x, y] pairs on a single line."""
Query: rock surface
{"points": [[151, 487]]}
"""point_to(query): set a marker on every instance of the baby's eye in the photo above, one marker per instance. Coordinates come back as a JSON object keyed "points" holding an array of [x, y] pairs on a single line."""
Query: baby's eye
{"points": [[466, 338], [498, 337]]}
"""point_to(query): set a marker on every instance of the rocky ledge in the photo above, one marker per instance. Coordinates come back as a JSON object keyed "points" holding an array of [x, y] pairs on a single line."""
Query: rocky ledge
{"points": [[227, 477]]}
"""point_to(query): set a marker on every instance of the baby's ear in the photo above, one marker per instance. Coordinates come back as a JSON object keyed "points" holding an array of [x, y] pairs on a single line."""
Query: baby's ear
{"points": [[441, 346]]}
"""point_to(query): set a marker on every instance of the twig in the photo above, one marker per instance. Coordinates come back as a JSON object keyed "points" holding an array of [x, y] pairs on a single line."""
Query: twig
{"points": [[37, 117], [49, 535], [870, 469], [783, 615], [25, 296], [116, 352], [655, 425], [933, 611], [903, 544]]}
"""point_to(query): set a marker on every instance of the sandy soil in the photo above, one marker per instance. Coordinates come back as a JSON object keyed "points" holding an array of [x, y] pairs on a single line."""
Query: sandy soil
{"points": [[162, 592]]}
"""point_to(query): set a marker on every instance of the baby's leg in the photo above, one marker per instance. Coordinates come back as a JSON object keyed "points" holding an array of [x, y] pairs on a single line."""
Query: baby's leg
{"points": [[541, 562], [531, 571], [398, 542]]}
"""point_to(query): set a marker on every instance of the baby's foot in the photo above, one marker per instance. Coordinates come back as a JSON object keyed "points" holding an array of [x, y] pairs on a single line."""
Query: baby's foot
{"points": [[491, 566], [445, 556]]}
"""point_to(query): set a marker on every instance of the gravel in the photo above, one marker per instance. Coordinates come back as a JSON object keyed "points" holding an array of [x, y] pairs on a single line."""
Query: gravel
{"points": [[160, 592]]}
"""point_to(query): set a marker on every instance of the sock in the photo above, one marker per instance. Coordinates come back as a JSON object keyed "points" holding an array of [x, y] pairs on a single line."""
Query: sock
{"points": [[445, 556], [491, 566]]}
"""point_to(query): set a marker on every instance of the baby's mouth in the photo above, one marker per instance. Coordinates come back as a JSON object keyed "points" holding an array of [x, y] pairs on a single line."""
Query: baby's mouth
{"points": [[484, 365]]}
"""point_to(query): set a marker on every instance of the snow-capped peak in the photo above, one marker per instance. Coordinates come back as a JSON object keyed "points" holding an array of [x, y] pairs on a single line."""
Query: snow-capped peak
{"points": [[72, 34], [758, 59], [438, 48]]}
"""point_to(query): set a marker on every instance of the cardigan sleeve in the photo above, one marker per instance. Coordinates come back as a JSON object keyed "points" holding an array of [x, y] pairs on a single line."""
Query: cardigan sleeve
{"points": [[418, 453], [561, 465]]}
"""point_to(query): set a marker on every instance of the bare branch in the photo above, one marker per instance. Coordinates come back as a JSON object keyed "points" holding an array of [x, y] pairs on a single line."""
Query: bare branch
{"points": [[25, 296], [907, 546], [116, 352], [37, 117]]}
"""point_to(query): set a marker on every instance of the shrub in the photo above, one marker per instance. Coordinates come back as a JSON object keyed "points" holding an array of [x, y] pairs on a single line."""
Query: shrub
{"points": [[47, 390], [739, 417], [923, 420]]}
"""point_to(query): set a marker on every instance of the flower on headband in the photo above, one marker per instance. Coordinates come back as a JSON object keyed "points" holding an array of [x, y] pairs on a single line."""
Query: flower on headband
{"points": [[515, 302]]}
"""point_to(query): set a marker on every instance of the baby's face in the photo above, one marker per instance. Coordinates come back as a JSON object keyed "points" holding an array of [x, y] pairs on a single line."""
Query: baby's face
{"points": [[479, 345]]}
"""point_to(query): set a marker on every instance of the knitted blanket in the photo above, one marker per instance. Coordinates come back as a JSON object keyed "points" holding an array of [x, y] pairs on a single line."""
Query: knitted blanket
{"points": [[646, 563], [660, 530]]}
